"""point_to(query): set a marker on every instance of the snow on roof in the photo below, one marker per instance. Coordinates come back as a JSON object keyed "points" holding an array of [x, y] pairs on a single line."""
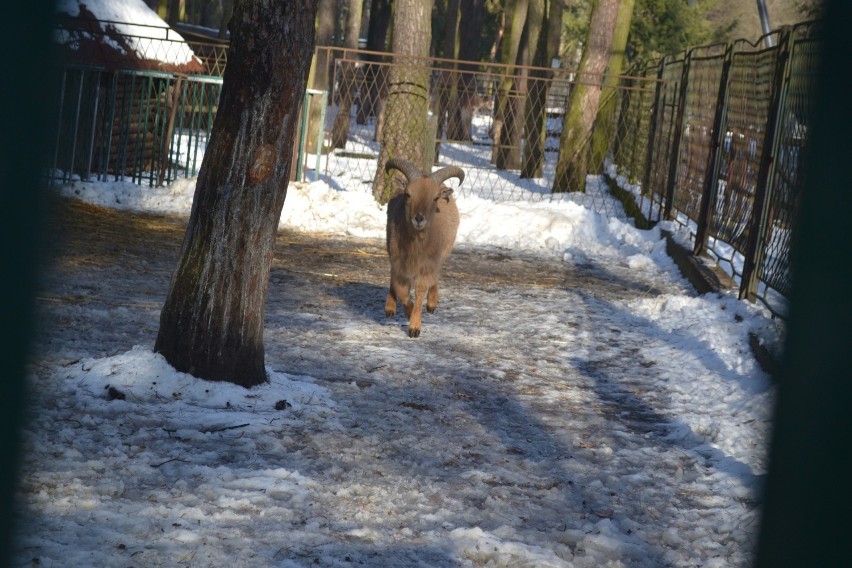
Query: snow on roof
{"points": [[122, 34]]}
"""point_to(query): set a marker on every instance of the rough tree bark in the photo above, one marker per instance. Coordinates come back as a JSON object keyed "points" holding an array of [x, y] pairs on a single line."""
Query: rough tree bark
{"points": [[445, 96], [606, 122], [372, 90], [320, 69], [340, 131], [505, 153], [408, 93], [535, 87], [573, 162], [211, 325], [460, 120]]}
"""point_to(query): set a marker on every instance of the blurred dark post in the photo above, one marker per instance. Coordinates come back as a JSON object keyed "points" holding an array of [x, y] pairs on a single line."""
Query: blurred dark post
{"points": [[29, 79], [806, 518]]}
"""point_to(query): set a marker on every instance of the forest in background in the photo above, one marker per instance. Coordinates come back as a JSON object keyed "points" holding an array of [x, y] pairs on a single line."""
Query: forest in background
{"points": [[659, 26]]}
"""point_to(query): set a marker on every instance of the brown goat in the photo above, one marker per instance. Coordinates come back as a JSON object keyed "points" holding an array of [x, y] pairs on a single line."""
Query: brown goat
{"points": [[422, 223]]}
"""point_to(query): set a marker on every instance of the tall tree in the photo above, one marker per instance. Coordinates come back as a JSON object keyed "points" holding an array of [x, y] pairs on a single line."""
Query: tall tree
{"points": [[407, 102], [459, 86], [211, 325], [320, 70], [227, 10], [373, 89], [445, 96], [347, 75], [535, 116], [504, 153], [472, 18], [584, 99], [606, 122]]}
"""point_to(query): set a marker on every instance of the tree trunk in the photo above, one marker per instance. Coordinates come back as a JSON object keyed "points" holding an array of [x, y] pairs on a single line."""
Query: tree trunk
{"points": [[227, 11], [573, 163], [373, 88], [504, 153], [408, 93], [346, 74], [535, 112], [177, 12], [606, 122], [460, 113], [319, 77], [211, 325], [446, 96]]}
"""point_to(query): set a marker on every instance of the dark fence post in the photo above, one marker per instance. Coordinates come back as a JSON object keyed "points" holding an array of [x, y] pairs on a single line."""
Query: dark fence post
{"points": [[656, 111], [674, 159], [755, 247], [711, 177]]}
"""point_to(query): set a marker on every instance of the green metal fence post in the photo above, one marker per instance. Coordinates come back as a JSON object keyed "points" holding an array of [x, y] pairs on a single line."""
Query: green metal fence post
{"points": [[711, 177], [656, 112], [674, 159], [758, 225]]}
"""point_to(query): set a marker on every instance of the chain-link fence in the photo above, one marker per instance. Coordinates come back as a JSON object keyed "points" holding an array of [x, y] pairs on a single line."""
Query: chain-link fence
{"points": [[713, 137], [501, 124], [725, 139]]}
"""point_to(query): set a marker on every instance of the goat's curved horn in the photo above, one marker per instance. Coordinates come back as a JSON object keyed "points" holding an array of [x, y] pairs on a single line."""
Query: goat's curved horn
{"points": [[407, 168], [448, 172]]}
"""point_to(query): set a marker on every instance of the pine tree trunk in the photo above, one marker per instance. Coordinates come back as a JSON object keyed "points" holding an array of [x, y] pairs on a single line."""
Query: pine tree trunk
{"points": [[407, 103], [446, 95], [573, 163], [606, 122], [211, 325], [535, 115], [347, 76], [320, 70], [460, 112], [506, 121]]}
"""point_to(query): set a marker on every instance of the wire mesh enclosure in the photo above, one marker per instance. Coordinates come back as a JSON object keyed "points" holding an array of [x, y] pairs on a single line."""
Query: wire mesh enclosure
{"points": [[712, 138], [501, 124], [726, 135]]}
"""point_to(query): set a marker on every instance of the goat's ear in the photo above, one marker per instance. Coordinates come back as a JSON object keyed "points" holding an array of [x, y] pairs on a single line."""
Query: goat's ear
{"points": [[446, 192], [399, 185]]}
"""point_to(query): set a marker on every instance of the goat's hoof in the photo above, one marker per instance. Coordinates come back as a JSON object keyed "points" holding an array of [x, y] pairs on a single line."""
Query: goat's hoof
{"points": [[413, 332], [390, 313], [431, 309]]}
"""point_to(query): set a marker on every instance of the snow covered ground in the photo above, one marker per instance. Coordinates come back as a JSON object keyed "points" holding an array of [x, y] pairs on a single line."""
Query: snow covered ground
{"points": [[531, 425]]}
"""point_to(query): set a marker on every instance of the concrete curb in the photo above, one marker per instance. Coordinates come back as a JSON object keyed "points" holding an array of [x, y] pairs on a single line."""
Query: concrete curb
{"points": [[707, 278]]}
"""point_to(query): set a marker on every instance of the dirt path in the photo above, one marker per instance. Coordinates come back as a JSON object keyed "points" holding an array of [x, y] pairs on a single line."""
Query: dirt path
{"points": [[116, 260], [534, 403]]}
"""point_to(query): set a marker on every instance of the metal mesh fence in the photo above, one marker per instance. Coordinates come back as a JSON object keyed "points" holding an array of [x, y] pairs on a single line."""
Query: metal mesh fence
{"points": [[141, 125], [797, 105], [725, 138], [745, 119], [700, 96], [713, 137], [501, 124], [663, 129]]}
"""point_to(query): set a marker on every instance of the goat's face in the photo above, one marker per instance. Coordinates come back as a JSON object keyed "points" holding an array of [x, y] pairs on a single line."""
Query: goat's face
{"points": [[423, 198]]}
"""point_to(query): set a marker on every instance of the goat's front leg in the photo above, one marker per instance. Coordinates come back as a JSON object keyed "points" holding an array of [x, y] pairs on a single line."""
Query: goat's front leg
{"points": [[398, 292], [415, 315], [432, 298]]}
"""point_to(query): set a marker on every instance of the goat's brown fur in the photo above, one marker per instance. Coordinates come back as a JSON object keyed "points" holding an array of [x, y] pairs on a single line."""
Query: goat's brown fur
{"points": [[422, 224]]}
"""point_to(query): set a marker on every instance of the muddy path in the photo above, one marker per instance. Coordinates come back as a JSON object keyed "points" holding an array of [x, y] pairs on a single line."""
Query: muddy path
{"points": [[117, 260]]}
